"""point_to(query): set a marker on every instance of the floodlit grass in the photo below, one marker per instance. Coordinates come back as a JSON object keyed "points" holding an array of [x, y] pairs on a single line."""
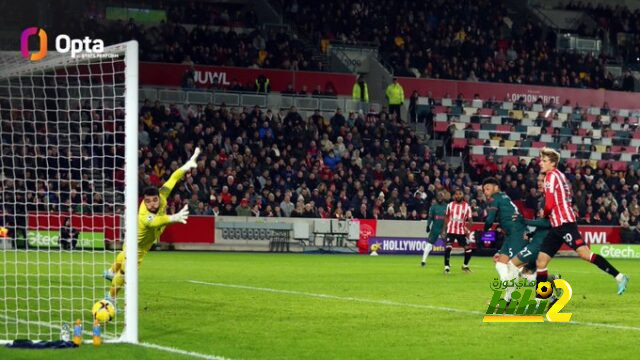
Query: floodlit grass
{"points": [[292, 306]]}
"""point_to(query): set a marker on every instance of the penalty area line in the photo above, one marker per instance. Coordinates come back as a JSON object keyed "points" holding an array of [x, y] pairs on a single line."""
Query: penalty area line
{"points": [[393, 303]]}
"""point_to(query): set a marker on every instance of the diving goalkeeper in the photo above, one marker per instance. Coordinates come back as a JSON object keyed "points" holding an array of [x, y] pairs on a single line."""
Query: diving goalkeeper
{"points": [[152, 220]]}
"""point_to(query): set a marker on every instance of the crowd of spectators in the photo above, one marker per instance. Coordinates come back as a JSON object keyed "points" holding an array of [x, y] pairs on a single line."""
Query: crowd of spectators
{"points": [[461, 40], [258, 162], [621, 24], [201, 33]]}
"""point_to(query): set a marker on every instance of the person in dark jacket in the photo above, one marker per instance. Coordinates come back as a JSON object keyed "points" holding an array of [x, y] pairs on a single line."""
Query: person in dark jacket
{"points": [[68, 236]]}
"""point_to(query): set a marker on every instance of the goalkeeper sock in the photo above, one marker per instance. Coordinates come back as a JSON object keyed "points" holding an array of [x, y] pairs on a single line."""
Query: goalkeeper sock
{"points": [[447, 255], [604, 265], [425, 253]]}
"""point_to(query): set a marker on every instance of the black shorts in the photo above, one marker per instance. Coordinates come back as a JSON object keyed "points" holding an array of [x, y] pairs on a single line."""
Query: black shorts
{"points": [[461, 239], [566, 233]]}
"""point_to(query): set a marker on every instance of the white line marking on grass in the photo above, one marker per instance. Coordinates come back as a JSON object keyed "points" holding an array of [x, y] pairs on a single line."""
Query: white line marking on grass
{"points": [[107, 337], [392, 303], [334, 297], [181, 352]]}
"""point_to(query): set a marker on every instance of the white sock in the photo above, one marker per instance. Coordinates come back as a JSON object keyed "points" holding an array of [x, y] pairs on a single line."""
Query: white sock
{"points": [[619, 277], [513, 270], [427, 250], [503, 271], [529, 277]]}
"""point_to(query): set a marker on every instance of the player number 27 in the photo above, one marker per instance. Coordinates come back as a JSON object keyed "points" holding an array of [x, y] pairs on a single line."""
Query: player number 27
{"points": [[554, 313]]}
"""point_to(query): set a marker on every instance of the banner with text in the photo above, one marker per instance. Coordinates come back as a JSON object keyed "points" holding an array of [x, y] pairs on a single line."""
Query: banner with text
{"points": [[109, 225], [51, 239], [530, 93], [399, 245], [161, 74], [618, 251]]}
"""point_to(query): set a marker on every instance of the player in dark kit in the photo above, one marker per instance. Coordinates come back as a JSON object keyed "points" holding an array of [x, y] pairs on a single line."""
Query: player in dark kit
{"points": [[435, 223], [502, 209], [457, 222], [558, 208]]}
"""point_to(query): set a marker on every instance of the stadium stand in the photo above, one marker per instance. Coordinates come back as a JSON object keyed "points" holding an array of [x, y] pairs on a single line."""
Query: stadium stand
{"points": [[454, 43]]}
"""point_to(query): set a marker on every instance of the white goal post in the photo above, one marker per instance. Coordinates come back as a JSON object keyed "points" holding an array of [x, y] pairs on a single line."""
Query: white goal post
{"points": [[68, 190]]}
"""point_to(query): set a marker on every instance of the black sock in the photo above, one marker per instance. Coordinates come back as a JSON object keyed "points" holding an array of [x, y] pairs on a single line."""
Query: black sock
{"points": [[447, 255], [467, 257], [604, 265]]}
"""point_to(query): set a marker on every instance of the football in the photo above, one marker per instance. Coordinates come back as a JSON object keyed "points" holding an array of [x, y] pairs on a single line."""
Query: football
{"points": [[544, 289], [103, 311]]}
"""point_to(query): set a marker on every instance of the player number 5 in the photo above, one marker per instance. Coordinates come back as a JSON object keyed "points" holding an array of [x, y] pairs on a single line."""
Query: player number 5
{"points": [[554, 313]]}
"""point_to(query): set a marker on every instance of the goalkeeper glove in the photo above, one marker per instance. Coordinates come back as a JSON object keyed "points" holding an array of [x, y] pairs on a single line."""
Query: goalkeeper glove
{"points": [[191, 164], [181, 216]]}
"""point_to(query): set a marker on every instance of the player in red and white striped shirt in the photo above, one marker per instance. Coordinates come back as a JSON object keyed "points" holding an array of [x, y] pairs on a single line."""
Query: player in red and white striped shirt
{"points": [[564, 229], [457, 222]]}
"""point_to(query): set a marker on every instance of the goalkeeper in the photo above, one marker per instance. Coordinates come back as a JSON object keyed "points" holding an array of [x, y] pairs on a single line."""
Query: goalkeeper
{"points": [[152, 220]]}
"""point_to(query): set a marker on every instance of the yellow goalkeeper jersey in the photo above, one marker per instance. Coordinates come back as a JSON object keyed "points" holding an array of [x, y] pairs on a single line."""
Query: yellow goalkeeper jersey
{"points": [[150, 225]]}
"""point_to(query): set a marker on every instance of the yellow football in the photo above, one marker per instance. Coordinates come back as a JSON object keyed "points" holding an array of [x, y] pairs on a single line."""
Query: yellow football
{"points": [[103, 311]]}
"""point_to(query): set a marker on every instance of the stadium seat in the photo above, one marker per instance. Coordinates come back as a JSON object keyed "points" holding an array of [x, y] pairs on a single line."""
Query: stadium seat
{"points": [[497, 120], [486, 112], [537, 107], [459, 143], [441, 117], [566, 110], [507, 106], [441, 109], [440, 126], [447, 102], [476, 103]]}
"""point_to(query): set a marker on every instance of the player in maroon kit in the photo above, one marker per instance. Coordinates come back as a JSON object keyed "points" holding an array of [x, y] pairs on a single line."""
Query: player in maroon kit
{"points": [[564, 229], [457, 222]]}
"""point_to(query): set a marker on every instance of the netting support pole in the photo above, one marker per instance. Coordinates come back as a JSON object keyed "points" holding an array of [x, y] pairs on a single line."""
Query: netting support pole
{"points": [[130, 333]]}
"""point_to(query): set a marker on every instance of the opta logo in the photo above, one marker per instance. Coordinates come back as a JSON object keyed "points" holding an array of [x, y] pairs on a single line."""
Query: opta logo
{"points": [[24, 43], [84, 48]]}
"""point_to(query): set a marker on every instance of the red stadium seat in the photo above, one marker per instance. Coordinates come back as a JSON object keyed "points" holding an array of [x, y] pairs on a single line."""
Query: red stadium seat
{"points": [[619, 166], [591, 118], [441, 126], [503, 128], [474, 126], [582, 132], [479, 159], [572, 147], [441, 110], [486, 112], [459, 143], [616, 149], [538, 145]]}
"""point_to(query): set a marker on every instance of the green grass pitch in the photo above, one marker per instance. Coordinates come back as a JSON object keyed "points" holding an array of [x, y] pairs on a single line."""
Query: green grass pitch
{"points": [[292, 306]]}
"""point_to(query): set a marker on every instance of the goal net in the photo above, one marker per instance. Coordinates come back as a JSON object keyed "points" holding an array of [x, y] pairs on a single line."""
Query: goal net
{"points": [[68, 190]]}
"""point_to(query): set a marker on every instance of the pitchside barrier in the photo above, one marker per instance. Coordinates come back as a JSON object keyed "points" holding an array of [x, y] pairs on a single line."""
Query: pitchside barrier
{"points": [[238, 233]]}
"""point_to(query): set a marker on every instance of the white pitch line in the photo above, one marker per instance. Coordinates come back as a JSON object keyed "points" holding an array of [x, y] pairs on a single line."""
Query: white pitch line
{"points": [[334, 297], [392, 303], [180, 351], [147, 345]]}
